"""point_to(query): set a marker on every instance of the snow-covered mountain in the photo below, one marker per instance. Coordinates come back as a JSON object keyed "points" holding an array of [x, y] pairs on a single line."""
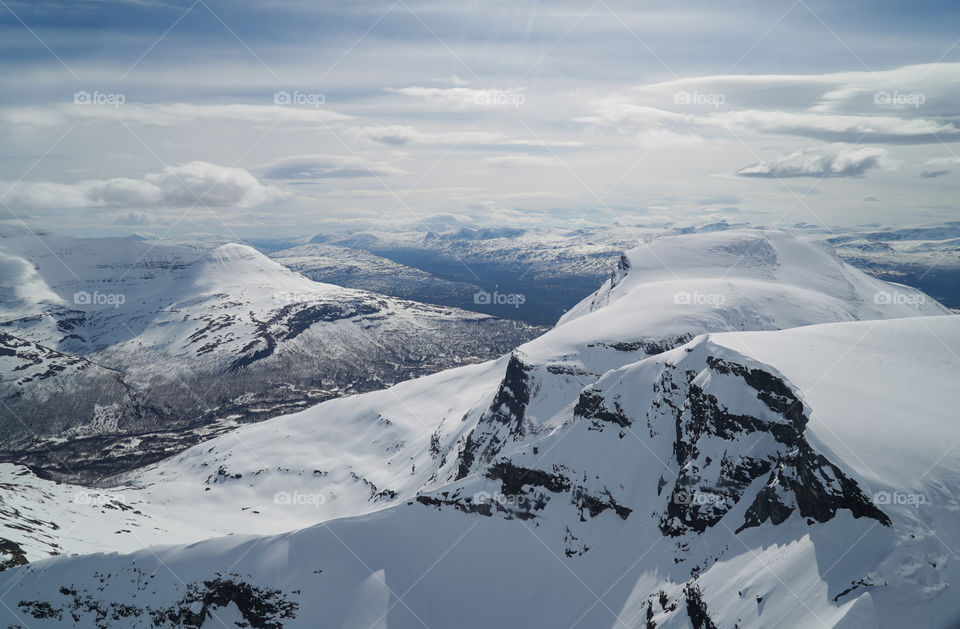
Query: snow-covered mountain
{"points": [[356, 268], [106, 338], [652, 461], [739, 280]]}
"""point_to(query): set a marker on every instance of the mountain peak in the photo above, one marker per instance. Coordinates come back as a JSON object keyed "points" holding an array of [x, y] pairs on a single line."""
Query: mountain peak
{"points": [[743, 279], [227, 263]]}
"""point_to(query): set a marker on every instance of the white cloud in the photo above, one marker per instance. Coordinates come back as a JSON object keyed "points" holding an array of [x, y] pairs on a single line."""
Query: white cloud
{"points": [[176, 186], [909, 105], [942, 161], [466, 97], [847, 128], [838, 160]]}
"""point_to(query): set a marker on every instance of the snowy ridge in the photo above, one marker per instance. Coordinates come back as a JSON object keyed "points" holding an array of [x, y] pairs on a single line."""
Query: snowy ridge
{"points": [[747, 279]]}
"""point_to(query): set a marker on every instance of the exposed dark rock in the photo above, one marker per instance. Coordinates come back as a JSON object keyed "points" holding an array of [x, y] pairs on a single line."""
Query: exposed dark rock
{"points": [[261, 608], [650, 347], [819, 489], [507, 411], [510, 403], [650, 623], [798, 478], [595, 506], [864, 582], [40, 610], [514, 478], [697, 608], [467, 456], [591, 405], [11, 554], [771, 390]]}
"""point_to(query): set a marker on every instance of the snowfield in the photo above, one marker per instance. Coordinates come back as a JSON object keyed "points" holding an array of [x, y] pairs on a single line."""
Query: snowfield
{"points": [[736, 429]]}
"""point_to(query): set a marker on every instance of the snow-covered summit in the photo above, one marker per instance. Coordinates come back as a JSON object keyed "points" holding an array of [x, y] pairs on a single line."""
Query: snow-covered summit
{"points": [[745, 279]]}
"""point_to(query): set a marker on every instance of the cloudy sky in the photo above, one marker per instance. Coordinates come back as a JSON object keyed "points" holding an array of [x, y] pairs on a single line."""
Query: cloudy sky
{"points": [[293, 116]]}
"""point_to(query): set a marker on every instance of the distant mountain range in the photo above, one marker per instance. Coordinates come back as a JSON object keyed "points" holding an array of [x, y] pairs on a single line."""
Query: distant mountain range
{"points": [[555, 268]]}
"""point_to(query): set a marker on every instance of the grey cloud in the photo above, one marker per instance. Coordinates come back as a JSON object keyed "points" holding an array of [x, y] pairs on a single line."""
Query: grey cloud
{"points": [[200, 183], [327, 167]]}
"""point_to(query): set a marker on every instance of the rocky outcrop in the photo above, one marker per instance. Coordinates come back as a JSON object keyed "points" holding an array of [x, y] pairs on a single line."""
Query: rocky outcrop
{"points": [[755, 441], [503, 420], [260, 608]]}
